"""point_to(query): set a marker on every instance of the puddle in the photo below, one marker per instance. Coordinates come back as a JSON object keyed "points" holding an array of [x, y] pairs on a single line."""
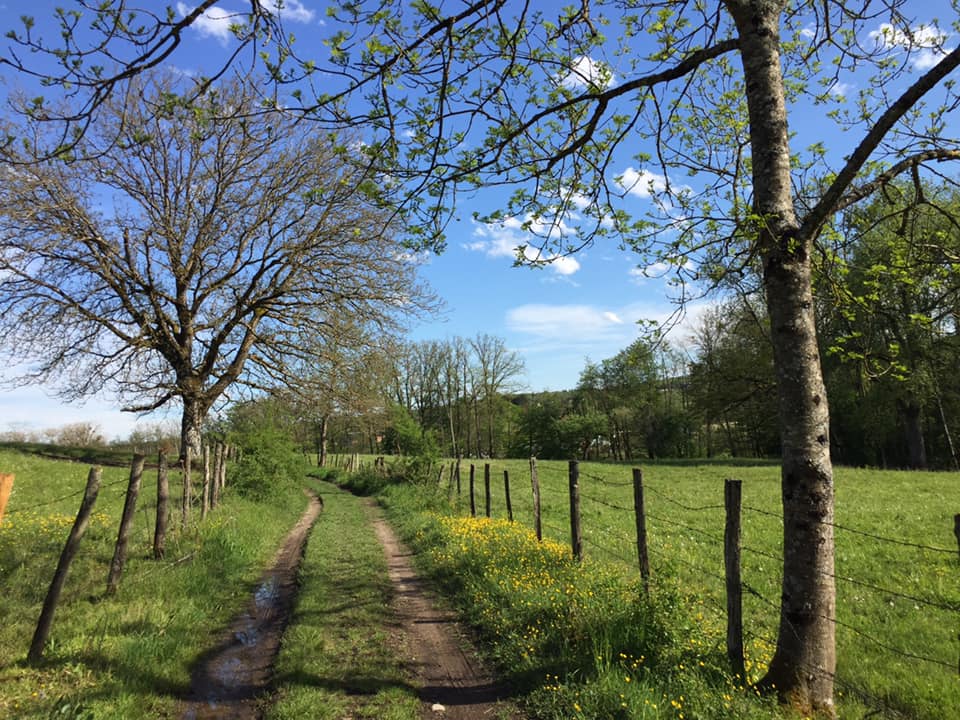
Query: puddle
{"points": [[233, 674]]}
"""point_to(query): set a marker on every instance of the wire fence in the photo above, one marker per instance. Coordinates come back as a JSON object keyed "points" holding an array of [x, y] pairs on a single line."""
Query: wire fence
{"points": [[606, 508]]}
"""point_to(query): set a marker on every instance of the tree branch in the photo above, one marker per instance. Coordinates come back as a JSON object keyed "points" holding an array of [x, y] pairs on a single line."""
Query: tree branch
{"points": [[830, 200]]}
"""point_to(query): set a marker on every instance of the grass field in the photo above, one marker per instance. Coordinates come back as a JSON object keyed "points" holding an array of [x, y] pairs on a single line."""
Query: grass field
{"points": [[610, 654], [898, 576]]}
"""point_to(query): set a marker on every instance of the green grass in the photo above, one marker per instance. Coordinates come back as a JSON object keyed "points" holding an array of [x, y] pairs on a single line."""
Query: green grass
{"points": [[337, 659], [878, 627], [127, 655]]}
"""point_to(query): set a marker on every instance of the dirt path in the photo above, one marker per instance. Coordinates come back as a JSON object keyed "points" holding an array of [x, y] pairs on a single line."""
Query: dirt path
{"points": [[230, 677], [450, 681]]}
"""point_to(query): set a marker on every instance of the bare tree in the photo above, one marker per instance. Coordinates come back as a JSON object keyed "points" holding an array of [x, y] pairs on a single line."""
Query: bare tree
{"points": [[180, 248], [498, 369], [540, 98]]}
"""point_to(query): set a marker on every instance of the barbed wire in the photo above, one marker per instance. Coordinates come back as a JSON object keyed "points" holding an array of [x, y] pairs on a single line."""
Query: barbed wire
{"points": [[613, 506], [605, 481], [857, 631], [717, 540], [47, 503], [856, 531]]}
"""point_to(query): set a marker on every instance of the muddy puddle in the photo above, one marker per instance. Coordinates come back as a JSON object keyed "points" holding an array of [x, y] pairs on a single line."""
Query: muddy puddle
{"points": [[235, 673]]}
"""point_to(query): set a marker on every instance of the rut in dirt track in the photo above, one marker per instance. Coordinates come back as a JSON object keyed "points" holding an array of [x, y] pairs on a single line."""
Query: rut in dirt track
{"points": [[229, 678], [451, 682]]}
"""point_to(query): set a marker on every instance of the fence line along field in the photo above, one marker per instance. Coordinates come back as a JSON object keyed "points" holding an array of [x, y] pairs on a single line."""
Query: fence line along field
{"points": [[125, 653], [897, 571]]}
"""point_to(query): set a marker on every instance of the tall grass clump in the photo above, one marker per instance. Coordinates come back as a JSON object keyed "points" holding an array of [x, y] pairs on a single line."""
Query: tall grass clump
{"points": [[578, 639]]}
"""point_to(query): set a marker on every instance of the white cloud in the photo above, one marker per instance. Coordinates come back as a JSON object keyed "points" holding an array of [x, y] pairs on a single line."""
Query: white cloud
{"points": [[586, 72], [841, 89], [505, 238], [292, 10], [641, 183], [568, 325], [926, 43], [214, 22]]}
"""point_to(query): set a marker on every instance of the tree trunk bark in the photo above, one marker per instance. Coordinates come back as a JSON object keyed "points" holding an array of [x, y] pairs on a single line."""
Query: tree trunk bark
{"points": [[191, 426], [322, 442], [912, 414], [804, 663]]}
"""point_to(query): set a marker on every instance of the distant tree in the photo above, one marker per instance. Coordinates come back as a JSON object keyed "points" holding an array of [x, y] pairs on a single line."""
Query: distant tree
{"points": [[537, 432], [498, 371], [178, 249], [732, 380], [78, 434], [893, 299]]}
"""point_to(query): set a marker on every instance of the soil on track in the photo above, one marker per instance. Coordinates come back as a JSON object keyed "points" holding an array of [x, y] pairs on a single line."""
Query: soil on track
{"points": [[442, 664], [232, 679]]}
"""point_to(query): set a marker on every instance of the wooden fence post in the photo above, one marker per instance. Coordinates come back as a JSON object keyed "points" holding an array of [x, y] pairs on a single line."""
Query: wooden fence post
{"points": [[187, 489], [457, 472], [6, 487], [126, 521], [641, 518], [473, 503], [535, 484], [222, 480], [66, 557], [576, 535], [163, 495], [731, 557], [506, 490], [486, 487], [205, 503]]}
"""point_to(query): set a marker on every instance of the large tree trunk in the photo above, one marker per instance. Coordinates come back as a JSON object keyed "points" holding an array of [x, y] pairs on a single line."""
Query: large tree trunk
{"points": [[803, 666], [191, 426]]}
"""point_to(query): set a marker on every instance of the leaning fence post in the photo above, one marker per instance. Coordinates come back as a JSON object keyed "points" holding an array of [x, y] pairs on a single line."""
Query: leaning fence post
{"points": [[576, 535], [731, 557], [126, 520], [641, 518], [506, 491], [535, 484], [486, 487], [473, 502], [63, 566]]}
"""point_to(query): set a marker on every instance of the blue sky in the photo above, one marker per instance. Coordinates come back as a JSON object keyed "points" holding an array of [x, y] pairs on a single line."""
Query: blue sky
{"points": [[583, 306]]}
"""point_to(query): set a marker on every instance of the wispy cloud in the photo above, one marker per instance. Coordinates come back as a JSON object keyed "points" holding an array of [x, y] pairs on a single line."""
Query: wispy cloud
{"points": [[596, 331], [641, 183], [505, 238], [217, 22], [925, 43], [586, 72]]}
